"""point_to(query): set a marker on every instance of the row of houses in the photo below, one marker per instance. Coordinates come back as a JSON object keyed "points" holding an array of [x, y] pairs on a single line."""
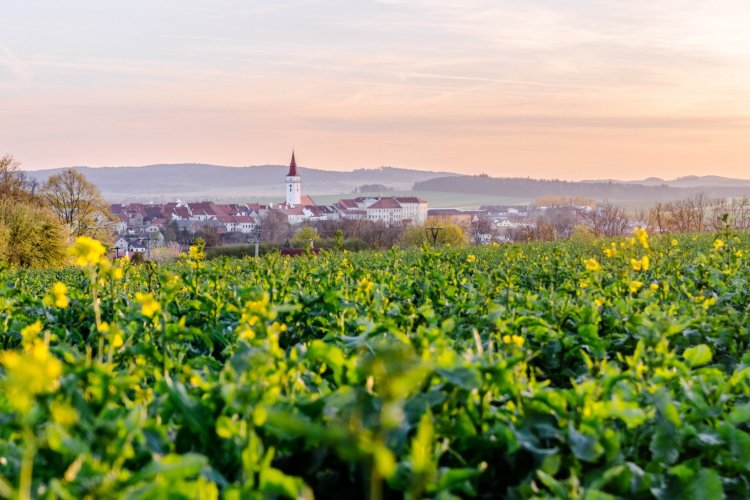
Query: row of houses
{"points": [[134, 219]]}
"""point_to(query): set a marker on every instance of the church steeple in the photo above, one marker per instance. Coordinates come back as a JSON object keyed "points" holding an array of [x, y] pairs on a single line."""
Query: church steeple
{"points": [[292, 167], [293, 185]]}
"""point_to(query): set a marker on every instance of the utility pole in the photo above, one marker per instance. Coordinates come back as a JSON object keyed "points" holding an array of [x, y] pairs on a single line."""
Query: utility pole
{"points": [[434, 230]]}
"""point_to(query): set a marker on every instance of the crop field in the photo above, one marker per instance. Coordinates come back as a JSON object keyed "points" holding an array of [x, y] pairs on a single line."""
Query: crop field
{"points": [[600, 369]]}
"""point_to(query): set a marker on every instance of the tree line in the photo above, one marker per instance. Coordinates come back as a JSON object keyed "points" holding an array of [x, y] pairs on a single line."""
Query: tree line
{"points": [[696, 213], [38, 221]]}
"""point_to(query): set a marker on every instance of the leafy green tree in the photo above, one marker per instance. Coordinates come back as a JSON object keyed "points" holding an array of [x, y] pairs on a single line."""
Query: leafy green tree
{"points": [[305, 235], [447, 234], [78, 205], [30, 236]]}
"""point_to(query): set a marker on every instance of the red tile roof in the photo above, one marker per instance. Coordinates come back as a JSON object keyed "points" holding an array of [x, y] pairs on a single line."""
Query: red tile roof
{"points": [[385, 203]]}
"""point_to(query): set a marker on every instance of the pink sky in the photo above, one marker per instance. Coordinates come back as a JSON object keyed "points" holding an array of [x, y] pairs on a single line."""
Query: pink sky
{"points": [[608, 89]]}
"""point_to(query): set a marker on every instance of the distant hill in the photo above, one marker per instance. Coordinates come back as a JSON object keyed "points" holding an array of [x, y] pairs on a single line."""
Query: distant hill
{"points": [[191, 181], [690, 181], [648, 191]]}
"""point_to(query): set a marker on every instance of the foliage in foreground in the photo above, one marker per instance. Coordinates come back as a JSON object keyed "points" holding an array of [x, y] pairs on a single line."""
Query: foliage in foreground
{"points": [[592, 369]]}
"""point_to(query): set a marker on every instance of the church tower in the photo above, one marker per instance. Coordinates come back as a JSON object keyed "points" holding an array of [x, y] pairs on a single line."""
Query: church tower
{"points": [[293, 185]]}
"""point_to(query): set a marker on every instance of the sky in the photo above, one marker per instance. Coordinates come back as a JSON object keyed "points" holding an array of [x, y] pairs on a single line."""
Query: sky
{"points": [[567, 89]]}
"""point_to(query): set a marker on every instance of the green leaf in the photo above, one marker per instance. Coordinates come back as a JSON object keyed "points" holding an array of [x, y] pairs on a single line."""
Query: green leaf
{"points": [[583, 446], [463, 377], [274, 481], [740, 414], [553, 484], [172, 466], [706, 485], [664, 446], [698, 355]]}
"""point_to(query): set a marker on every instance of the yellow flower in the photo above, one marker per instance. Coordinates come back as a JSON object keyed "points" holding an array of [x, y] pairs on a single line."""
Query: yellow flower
{"points": [[365, 286], [598, 302], [149, 305], [709, 302], [196, 253], [63, 414], [738, 253], [30, 373], [642, 235], [592, 265], [57, 296], [640, 264], [30, 332], [87, 251], [117, 273], [654, 286], [635, 286], [674, 242], [471, 258], [513, 339], [583, 283], [719, 244], [117, 341]]}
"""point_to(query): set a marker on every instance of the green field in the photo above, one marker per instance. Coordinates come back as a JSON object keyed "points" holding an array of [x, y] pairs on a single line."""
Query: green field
{"points": [[571, 370]]}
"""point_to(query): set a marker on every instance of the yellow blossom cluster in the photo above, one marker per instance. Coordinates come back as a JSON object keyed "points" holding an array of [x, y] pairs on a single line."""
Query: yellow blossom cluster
{"points": [[253, 312], [513, 339], [635, 286], [149, 305], [611, 251], [31, 372], [365, 285], [87, 251], [471, 258], [592, 265], [642, 236], [196, 252], [58, 296], [641, 264]]}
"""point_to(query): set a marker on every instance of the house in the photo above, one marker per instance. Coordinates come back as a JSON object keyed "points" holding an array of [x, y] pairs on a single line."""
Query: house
{"points": [[387, 211]]}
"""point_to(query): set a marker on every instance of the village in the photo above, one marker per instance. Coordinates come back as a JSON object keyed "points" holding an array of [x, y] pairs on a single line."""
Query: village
{"points": [[140, 227]]}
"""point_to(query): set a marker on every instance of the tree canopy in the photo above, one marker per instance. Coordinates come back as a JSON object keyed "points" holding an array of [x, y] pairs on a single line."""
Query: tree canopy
{"points": [[78, 204], [30, 234], [447, 234]]}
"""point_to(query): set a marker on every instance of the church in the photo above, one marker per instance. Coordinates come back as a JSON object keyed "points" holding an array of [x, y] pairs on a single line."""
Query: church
{"points": [[393, 210], [293, 185]]}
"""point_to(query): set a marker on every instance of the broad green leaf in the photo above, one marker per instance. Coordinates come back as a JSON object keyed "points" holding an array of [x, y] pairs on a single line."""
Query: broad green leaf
{"points": [[698, 355], [584, 446], [463, 377]]}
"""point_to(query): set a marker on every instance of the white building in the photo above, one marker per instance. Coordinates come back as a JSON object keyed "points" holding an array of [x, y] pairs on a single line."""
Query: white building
{"points": [[293, 185]]}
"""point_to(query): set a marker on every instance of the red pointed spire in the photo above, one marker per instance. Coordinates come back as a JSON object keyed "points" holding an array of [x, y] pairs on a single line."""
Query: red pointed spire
{"points": [[292, 167]]}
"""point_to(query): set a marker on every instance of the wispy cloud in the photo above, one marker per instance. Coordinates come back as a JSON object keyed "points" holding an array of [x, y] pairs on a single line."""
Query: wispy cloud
{"points": [[240, 78], [16, 67]]}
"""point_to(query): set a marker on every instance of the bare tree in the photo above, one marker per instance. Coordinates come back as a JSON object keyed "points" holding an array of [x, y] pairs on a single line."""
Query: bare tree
{"points": [[658, 218], [274, 227], [15, 184], [607, 219], [78, 204]]}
